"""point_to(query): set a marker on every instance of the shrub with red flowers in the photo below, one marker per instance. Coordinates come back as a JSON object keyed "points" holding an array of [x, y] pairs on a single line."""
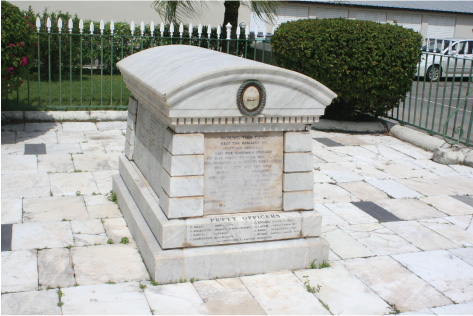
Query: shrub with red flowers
{"points": [[18, 46]]}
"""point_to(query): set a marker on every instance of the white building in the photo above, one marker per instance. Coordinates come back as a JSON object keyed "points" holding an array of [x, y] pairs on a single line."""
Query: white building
{"points": [[430, 18]]}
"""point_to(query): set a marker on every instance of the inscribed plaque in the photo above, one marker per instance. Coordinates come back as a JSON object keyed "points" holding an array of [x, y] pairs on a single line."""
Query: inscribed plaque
{"points": [[243, 172]]}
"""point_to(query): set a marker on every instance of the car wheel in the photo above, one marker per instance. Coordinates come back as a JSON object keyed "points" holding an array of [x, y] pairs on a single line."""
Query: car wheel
{"points": [[433, 73]]}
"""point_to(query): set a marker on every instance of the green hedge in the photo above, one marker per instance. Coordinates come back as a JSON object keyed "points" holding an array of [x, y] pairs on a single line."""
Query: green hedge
{"points": [[369, 65]]}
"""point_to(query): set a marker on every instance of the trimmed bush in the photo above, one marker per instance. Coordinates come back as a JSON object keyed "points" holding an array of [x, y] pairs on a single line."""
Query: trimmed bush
{"points": [[18, 47], [369, 65]]}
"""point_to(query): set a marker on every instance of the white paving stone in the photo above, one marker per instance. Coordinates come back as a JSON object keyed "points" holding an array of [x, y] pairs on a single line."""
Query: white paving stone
{"points": [[342, 291], [410, 209], [454, 309], [175, 299], [393, 188], [110, 299], [345, 246], [104, 180], [65, 137], [17, 185], [13, 149], [283, 293], [99, 206], [228, 296], [90, 227], [65, 148], [43, 127], [448, 205], [419, 235], [331, 193], [379, 239], [339, 173], [55, 163], [19, 271], [96, 162], [108, 263], [466, 254], [92, 147], [54, 209], [31, 303], [36, 138], [395, 284], [55, 268], [427, 186], [462, 221], [79, 126], [12, 164], [117, 229], [447, 273], [107, 126], [328, 217], [12, 211], [452, 232], [402, 170], [41, 235], [363, 191], [78, 183], [351, 213]]}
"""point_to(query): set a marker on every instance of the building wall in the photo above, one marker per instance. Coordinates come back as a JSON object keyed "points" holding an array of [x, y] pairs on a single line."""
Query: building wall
{"points": [[127, 11], [463, 23]]}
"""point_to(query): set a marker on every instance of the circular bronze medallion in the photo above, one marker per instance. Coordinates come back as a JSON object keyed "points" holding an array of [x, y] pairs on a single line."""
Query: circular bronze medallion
{"points": [[251, 98]]}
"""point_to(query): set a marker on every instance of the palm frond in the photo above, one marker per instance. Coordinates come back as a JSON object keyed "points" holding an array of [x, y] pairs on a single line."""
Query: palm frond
{"points": [[177, 11], [265, 10]]}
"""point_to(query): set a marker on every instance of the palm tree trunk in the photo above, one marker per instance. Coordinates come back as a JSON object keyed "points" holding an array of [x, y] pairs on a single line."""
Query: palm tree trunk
{"points": [[231, 16]]}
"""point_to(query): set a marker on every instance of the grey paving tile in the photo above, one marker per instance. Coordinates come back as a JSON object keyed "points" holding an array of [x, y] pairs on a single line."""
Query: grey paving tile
{"points": [[327, 142], [6, 237], [35, 149], [55, 268], [376, 211], [464, 198], [8, 137]]}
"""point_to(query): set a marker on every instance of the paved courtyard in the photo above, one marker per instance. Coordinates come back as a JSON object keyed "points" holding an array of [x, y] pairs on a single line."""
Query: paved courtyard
{"points": [[399, 226]]}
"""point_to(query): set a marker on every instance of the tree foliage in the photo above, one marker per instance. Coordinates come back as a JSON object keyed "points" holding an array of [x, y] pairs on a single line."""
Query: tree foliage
{"points": [[18, 46]]}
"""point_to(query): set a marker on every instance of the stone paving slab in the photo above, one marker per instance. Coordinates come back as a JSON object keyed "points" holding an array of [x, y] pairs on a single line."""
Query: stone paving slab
{"points": [[105, 299], [337, 282], [31, 303], [228, 296], [420, 264], [175, 299], [283, 293], [448, 274], [108, 263], [396, 284]]}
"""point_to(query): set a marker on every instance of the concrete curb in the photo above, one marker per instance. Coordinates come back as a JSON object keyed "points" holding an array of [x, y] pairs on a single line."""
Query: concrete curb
{"points": [[64, 116], [443, 152]]}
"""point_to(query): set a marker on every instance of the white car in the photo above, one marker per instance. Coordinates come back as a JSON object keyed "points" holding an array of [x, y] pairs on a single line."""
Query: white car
{"points": [[446, 58]]}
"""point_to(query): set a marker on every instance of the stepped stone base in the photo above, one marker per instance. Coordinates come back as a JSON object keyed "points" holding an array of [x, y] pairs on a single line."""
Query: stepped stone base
{"points": [[208, 262]]}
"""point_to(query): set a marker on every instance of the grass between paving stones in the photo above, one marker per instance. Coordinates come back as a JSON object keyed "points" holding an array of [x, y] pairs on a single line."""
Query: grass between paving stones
{"points": [[60, 294], [314, 290], [322, 265], [112, 196]]}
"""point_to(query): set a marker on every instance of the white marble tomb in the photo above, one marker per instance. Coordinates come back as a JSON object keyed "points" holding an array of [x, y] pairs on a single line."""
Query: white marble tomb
{"points": [[216, 180]]}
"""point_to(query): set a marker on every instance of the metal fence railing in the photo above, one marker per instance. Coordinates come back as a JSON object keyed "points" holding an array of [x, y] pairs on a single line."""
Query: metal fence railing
{"points": [[440, 100], [77, 70]]}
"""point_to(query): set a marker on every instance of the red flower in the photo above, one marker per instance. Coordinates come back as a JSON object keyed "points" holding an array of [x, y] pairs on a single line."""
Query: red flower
{"points": [[21, 44], [35, 44], [21, 81], [10, 70], [11, 44], [24, 61]]}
